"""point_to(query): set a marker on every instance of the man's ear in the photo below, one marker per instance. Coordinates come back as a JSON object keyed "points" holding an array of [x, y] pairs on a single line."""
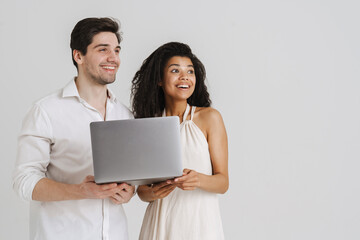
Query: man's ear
{"points": [[78, 57]]}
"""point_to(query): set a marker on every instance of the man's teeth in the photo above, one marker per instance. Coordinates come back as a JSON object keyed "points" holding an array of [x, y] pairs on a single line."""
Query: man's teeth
{"points": [[106, 67]]}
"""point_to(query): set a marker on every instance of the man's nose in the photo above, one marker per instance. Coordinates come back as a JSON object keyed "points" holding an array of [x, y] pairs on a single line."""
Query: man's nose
{"points": [[113, 56]]}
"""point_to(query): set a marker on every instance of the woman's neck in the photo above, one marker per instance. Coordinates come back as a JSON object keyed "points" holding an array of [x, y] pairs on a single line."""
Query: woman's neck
{"points": [[175, 109]]}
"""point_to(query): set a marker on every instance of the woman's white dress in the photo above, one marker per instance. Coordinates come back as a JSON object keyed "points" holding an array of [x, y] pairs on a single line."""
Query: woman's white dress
{"points": [[186, 215]]}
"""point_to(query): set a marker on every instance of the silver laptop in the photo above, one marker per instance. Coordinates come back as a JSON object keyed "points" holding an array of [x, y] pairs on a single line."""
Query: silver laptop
{"points": [[136, 151]]}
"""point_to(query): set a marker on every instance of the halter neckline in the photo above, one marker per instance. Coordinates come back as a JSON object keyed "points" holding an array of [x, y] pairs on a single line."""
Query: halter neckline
{"points": [[186, 113]]}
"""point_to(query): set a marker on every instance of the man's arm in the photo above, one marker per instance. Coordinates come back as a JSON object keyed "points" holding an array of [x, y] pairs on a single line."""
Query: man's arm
{"points": [[49, 190], [33, 158], [33, 155]]}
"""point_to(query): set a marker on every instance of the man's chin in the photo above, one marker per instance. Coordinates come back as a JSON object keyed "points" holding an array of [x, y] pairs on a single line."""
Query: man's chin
{"points": [[106, 81]]}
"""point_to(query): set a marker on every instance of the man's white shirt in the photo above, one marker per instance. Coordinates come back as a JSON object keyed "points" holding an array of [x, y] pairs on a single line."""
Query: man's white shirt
{"points": [[55, 143]]}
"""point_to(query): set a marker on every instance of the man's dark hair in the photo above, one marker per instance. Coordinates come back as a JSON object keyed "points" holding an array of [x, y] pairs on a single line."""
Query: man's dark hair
{"points": [[148, 98], [84, 31]]}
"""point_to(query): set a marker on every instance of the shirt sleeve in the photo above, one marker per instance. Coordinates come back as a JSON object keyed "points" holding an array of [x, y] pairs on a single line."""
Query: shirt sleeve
{"points": [[33, 153]]}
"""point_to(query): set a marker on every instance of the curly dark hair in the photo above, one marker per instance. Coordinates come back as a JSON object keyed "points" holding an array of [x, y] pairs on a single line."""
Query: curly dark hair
{"points": [[148, 97], [84, 31]]}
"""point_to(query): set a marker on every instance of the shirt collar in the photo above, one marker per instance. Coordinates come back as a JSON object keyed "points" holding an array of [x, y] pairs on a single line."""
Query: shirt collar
{"points": [[111, 95], [70, 90]]}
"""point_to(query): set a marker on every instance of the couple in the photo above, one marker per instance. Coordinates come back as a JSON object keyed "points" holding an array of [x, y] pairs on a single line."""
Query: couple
{"points": [[54, 163]]}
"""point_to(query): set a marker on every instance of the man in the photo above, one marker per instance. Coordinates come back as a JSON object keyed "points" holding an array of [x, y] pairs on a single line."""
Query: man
{"points": [[54, 163]]}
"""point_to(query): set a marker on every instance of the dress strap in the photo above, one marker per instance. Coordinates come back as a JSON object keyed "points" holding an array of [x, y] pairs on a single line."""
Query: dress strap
{"points": [[187, 110], [186, 113], [192, 112]]}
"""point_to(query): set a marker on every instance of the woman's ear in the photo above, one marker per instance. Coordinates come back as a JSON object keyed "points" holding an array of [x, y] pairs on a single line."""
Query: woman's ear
{"points": [[160, 84]]}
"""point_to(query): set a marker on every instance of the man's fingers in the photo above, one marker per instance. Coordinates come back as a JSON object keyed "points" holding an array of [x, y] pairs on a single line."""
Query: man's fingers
{"points": [[117, 199], [118, 196], [108, 186], [125, 186], [114, 201], [89, 178], [122, 196]]}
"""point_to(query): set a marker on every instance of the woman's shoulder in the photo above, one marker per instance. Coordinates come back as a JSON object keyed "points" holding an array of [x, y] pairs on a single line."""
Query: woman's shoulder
{"points": [[207, 114]]}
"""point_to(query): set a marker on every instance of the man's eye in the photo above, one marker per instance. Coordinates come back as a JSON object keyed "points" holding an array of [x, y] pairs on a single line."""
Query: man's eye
{"points": [[102, 50]]}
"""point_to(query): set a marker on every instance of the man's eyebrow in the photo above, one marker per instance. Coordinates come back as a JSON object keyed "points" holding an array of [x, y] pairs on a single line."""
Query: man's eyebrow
{"points": [[106, 45], [177, 65]]}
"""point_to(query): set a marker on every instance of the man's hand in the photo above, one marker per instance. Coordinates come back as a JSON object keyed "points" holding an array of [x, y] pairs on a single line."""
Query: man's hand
{"points": [[89, 189], [123, 194]]}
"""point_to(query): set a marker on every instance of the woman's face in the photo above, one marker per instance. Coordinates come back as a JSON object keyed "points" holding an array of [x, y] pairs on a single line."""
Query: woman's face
{"points": [[179, 78]]}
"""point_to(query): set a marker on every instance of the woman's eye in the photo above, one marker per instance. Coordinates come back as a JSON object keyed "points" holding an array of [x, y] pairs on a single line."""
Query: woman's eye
{"points": [[191, 71], [174, 71]]}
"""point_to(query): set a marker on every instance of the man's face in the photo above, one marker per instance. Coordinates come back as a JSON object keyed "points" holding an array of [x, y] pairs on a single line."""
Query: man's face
{"points": [[102, 60]]}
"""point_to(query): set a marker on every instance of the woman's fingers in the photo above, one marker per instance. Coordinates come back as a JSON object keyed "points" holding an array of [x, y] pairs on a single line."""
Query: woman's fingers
{"points": [[189, 181], [161, 192]]}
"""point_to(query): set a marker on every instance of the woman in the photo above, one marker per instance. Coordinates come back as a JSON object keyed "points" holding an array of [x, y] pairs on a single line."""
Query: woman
{"points": [[171, 82]]}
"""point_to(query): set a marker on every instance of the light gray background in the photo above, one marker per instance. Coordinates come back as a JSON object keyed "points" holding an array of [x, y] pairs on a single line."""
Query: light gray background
{"points": [[284, 74]]}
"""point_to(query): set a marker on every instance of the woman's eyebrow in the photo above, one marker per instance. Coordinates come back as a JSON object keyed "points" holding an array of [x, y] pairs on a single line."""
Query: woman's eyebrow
{"points": [[178, 65]]}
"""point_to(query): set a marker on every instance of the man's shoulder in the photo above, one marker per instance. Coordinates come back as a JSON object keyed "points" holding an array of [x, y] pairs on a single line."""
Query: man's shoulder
{"points": [[56, 96], [49, 99]]}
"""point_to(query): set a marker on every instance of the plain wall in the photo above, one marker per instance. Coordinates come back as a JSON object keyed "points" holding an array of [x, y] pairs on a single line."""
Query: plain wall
{"points": [[285, 76]]}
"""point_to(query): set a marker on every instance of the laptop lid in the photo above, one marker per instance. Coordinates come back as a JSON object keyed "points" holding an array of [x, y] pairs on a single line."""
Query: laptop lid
{"points": [[136, 151]]}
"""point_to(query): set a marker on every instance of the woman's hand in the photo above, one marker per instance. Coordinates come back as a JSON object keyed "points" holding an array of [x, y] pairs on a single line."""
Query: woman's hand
{"points": [[190, 180], [162, 189], [155, 191]]}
